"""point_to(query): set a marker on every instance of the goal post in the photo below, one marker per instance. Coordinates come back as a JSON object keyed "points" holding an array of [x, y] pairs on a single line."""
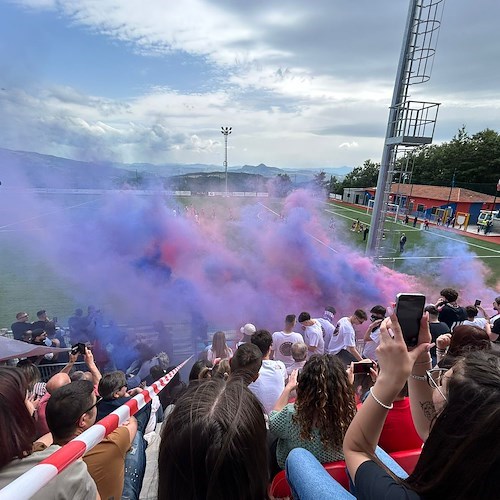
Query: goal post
{"points": [[392, 209]]}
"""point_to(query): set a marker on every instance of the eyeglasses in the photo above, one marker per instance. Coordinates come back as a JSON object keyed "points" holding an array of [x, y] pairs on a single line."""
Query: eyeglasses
{"points": [[435, 379], [97, 401]]}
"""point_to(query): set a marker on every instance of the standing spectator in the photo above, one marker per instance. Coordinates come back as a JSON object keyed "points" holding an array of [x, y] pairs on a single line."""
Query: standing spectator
{"points": [[426, 224], [402, 242], [365, 232], [407, 219], [45, 323], [473, 320], [77, 327], [283, 341], [327, 323], [495, 321], [343, 342], [372, 334], [436, 328], [21, 329], [415, 220], [449, 311], [313, 334], [272, 374], [219, 348], [247, 331]]}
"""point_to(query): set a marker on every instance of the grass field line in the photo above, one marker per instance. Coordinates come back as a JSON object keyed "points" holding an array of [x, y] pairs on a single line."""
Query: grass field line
{"points": [[46, 213], [438, 257], [411, 229], [309, 234]]}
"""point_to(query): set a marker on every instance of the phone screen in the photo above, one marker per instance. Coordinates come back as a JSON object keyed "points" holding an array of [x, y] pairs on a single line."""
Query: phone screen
{"points": [[362, 367], [409, 310], [477, 303]]}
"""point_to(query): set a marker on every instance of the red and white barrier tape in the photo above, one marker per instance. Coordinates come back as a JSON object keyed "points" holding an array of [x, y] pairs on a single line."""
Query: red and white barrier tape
{"points": [[26, 485]]}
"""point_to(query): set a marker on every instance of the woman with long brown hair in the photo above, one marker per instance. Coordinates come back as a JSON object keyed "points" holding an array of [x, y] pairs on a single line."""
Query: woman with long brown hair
{"points": [[219, 348], [321, 414]]}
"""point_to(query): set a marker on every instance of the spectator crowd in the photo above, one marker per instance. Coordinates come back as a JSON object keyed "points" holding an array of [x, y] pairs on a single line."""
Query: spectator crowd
{"points": [[321, 390]]}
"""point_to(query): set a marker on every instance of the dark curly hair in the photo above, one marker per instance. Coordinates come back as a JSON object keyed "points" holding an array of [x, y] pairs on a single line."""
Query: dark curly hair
{"points": [[325, 400]]}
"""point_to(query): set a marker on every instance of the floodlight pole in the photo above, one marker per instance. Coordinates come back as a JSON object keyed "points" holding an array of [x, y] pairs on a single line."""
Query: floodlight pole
{"points": [[225, 132]]}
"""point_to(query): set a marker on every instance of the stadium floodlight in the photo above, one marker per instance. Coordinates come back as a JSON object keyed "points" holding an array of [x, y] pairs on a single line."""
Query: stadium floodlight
{"points": [[225, 131]]}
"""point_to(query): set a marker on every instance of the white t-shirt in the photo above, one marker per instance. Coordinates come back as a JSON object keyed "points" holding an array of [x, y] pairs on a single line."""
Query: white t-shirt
{"points": [[297, 365], [270, 384], [328, 329], [479, 322], [313, 337], [370, 346], [282, 346], [343, 336]]}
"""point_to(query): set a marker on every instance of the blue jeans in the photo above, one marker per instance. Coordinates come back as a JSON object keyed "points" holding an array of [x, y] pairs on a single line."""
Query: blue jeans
{"points": [[135, 466], [309, 480]]}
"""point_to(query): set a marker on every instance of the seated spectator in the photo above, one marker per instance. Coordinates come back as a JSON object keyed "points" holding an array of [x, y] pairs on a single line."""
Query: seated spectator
{"points": [[138, 371], [197, 367], [213, 445], [113, 390], [31, 372], [455, 412], [323, 410], [473, 320], [247, 331], [283, 341], [18, 453], [246, 363], [56, 381], [39, 337], [299, 355], [71, 410], [219, 349], [312, 333], [173, 390], [272, 374], [465, 338], [21, 329]]}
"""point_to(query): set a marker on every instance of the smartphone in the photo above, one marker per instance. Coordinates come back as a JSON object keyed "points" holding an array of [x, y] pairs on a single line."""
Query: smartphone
{"points": [[477, 303], [409, 310], [363, 366]]}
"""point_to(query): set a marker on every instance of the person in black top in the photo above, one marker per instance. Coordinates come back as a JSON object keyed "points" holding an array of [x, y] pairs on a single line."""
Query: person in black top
{"points": [[455, 411], [21, 329], [449, 311], [436, 327]]}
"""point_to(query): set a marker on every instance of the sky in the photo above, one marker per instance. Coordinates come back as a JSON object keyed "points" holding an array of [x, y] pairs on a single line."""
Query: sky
{"points": [[302, 84]]}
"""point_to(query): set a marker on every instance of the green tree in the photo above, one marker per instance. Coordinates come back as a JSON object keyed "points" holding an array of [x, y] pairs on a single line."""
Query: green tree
{"points": [[365, 176], [320, 181]]}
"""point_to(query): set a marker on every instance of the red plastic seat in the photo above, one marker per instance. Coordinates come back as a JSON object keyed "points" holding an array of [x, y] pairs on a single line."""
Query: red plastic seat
{"points": [[407, 458], [281, 489]]}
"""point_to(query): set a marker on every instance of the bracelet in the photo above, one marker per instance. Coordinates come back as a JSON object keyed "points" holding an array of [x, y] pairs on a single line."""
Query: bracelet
{"points": [[423, 362], [387, 407], [440, 350], [419, 377]]}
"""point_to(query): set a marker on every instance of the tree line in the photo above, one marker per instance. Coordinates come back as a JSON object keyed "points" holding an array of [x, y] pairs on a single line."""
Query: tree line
{"points": [[469, 161]]}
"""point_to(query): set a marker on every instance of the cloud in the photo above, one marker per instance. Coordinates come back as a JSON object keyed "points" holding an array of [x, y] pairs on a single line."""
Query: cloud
{"points": [[349, 145]]}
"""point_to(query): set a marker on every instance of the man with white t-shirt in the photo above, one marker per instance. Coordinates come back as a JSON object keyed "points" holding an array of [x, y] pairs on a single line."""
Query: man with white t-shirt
{"points": [[327, 324], [272, 374], [343, 343], [283, 341], [372, 334], [313, 334]]}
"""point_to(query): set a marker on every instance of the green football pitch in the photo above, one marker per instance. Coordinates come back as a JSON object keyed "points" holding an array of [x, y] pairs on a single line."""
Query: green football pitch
{"points": [[29, 283]]}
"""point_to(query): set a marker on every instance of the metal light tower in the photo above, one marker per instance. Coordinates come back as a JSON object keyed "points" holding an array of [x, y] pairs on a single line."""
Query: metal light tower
{"points": [[225, 132], [411, 123]]}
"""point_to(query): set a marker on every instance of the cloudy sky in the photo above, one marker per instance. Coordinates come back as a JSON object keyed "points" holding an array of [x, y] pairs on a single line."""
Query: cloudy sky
{"points": [[303, 84]]}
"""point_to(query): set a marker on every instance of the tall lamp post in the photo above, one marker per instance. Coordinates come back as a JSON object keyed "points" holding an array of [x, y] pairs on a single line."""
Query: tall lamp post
{"points": [[225, 132]]}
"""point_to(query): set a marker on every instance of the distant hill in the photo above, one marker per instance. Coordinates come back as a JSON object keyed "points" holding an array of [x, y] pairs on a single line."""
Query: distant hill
{"points": [[19, 168]]}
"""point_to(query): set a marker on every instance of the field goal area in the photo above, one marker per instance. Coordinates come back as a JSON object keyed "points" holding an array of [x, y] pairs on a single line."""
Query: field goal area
{"points": [[392, 209]]}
